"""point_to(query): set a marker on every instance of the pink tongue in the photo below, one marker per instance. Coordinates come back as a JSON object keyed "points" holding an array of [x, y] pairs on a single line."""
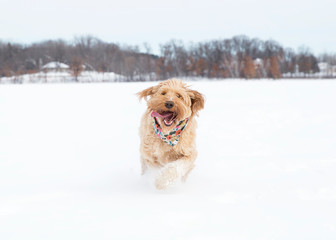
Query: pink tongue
{"points": [[156, 114], [167, 116]]}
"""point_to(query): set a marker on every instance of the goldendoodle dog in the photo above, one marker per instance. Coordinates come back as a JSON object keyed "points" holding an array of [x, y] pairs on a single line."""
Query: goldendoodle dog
{"points": [[167, 130]]}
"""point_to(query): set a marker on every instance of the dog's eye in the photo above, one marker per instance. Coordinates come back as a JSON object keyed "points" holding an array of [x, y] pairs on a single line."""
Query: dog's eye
{"points": [[163, 93], [178, 95]]}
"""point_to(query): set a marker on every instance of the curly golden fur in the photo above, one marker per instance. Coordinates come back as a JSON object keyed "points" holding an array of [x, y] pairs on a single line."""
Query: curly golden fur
{"points": [[175, 162]]}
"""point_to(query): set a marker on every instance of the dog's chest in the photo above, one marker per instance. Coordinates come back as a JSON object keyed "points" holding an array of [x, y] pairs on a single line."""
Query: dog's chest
{"points": [[163, 152]]}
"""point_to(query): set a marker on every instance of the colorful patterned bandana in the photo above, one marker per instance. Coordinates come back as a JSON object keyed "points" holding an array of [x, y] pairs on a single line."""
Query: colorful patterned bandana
{"points": [[173, 137]]}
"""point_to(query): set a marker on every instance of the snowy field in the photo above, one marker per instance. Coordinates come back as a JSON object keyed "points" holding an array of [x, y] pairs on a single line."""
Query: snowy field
{"points": [[69, 164], [63, 76]]}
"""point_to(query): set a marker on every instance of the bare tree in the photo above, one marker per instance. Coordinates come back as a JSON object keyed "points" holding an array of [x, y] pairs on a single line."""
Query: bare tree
{"points": [[76, 67]]}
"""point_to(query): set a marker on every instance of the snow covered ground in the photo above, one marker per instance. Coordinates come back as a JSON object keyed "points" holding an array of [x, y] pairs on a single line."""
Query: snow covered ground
{"points": [[69, 164], [63, 76]]}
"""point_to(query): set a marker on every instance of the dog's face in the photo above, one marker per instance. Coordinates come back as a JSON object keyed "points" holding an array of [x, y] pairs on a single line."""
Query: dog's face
{"points": [[172, 101]]}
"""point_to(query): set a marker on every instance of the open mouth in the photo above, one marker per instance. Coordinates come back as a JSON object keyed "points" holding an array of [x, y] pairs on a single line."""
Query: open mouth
{"points": [[167, 117]]}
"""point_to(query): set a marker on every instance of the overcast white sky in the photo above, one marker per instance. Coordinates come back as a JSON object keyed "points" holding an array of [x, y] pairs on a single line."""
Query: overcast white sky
{"points": [[290, 22]]}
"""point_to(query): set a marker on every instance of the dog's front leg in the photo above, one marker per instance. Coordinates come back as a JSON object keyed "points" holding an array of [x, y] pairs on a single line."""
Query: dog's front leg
{"points": [[143, 165], [174, 171]]}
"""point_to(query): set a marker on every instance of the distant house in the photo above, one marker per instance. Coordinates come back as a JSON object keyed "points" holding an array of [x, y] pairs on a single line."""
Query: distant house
{"points": [[323, 66], [258, 62], [326, 69], [56, 66], [259, 67]]}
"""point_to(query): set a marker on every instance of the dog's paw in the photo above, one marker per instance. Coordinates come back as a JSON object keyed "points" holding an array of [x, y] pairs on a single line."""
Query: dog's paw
{"points": [[167, 177]]}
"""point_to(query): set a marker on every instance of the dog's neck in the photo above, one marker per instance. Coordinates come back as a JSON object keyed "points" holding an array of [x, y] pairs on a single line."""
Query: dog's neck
{"points": [[173, 136]]}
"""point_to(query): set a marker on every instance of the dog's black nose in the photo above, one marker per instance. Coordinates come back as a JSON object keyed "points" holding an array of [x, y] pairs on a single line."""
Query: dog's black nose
{"points": [[169, 104]]}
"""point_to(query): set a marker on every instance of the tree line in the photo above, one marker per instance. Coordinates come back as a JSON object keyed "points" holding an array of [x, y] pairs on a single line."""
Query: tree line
{"points": [[237, 57]]}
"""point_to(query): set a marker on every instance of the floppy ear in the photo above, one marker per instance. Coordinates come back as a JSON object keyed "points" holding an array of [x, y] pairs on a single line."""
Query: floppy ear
{"points": [[145, 93], [197, 102]]}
